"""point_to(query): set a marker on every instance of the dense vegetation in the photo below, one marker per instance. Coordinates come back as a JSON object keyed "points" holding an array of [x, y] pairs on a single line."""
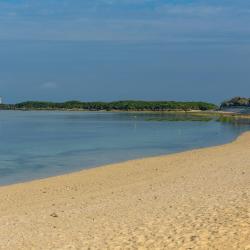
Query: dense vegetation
{"points": [[236, 102], [119, 105]]}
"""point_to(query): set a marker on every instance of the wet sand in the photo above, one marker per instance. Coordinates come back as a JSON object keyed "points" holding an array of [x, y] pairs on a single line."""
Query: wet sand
{"points": [[198, 199]]}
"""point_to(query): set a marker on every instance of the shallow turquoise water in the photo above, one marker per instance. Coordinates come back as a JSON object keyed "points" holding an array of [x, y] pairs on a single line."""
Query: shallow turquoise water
{"points": [[41, 144]]}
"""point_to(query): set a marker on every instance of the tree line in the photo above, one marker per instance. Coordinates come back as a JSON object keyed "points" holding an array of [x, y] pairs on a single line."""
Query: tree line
{"points": [[109, 106]]}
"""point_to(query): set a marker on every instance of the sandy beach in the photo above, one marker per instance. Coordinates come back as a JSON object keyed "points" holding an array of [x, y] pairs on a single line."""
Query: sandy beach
{"points": [[198, 199]]}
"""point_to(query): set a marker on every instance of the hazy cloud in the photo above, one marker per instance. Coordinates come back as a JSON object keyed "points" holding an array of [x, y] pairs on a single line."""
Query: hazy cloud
{"points": [[49, 85], [124, 20]]}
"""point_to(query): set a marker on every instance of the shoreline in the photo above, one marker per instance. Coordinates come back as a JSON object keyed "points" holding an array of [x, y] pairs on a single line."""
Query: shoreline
{"points": [[208, 113], [199, 198]]}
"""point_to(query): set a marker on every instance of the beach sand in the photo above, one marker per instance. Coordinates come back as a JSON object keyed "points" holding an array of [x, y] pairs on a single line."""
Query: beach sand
{"points": [[198, 199]]}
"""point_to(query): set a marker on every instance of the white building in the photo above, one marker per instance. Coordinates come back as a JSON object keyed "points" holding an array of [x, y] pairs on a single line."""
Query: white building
{"points": [[1, 100]]}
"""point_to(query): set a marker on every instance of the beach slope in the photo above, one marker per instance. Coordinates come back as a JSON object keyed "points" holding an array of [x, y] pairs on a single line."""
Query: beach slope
{"points": [[193, 200]]}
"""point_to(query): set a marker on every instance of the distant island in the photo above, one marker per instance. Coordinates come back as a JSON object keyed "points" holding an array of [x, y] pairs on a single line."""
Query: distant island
{"points": [[236, 102], [234, 105], [112, 106]]}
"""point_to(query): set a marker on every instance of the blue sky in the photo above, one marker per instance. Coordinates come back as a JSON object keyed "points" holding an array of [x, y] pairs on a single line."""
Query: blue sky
{"points": [[124, 49]]}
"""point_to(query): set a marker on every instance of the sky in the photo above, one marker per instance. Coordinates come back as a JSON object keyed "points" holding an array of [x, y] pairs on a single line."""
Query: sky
{"points": [[105, 50]]}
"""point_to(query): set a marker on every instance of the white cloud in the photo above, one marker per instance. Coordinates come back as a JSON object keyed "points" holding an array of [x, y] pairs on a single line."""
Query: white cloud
{"points": [[191, 9], [49, 85]]}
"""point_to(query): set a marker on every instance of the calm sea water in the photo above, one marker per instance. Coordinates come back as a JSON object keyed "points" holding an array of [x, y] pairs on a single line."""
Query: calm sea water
{"points": [[41, 144]]}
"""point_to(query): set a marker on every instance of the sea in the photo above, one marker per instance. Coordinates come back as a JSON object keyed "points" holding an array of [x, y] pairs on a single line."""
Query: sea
{"points": [[40, 144]]}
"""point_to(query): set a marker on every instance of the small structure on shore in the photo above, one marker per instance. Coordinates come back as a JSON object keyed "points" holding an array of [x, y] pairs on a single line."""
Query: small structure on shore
{"points": [[1, 100]]}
